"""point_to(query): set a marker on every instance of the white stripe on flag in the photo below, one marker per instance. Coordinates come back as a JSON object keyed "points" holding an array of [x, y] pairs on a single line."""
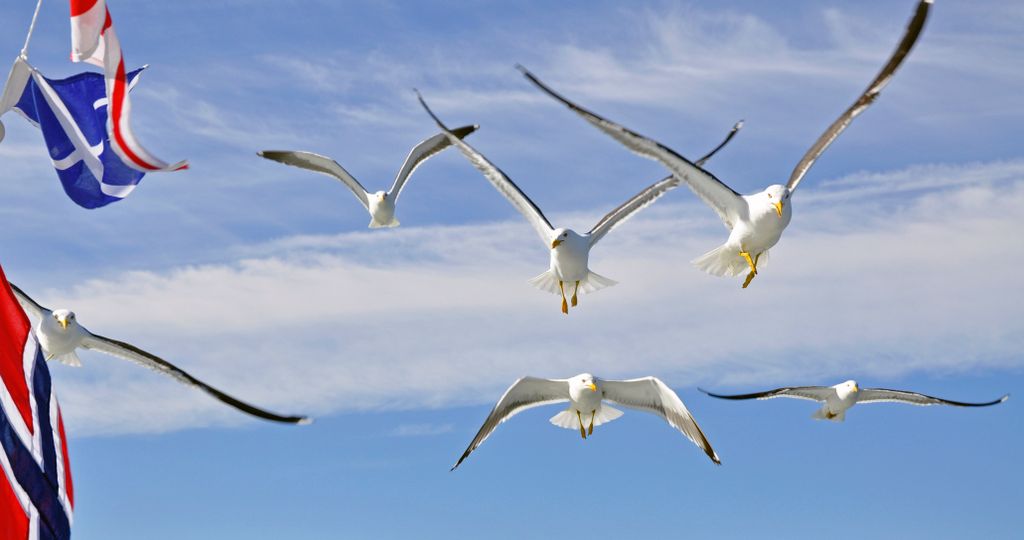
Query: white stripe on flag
{"points": [[58, 446]]}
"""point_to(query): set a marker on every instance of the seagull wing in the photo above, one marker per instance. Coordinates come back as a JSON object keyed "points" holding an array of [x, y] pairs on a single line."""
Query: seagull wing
{"points": [[632, 206], [320, 164], [878, 395], [130, 352], [812, 393], [500, 181], [28, 304], [720, 197], [732, 133], [421, 152], [651, 395], [526, 393], [866, 99]]}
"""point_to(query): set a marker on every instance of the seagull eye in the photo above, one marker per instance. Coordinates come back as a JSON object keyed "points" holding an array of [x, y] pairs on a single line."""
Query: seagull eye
{"points": [[769, 195]]}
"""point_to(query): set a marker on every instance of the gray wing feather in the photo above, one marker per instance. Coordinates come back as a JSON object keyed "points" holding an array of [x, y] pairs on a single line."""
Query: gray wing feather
{"points": [[878, 395], [811, 393], [867, 98], [651, 395], [499, 180], [132, 353], [420, 153], [320, 164], [632, 206], [28, 304], [720, 197], [526, 393]]}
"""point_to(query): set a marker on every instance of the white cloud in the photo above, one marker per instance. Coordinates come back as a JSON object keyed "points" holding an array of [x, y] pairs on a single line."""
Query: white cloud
{"points": [[439, 316]]}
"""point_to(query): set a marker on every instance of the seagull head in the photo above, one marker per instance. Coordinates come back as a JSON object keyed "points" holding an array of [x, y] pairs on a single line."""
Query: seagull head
{"points": [[563, 235], [584, 382], [777, 195], [847, 388], [381, 196], [64, 317]]}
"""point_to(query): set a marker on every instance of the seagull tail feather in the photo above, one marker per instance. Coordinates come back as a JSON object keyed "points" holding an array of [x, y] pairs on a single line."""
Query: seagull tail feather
{"points": [[723, 261], [70, 359]]}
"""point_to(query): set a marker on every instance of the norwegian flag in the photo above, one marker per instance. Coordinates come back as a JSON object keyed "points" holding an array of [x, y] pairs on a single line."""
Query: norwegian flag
{"points": [[36, 497], [94, 40]]}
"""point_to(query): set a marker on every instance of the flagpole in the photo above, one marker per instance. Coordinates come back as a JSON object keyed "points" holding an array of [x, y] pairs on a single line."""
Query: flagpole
{"points": [[31, 28]]}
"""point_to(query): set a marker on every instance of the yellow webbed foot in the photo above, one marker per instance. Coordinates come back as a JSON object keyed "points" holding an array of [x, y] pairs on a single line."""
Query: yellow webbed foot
{"points": [[750, 277], [576, 290], [590, 430], [565, 305], [583, 432]]}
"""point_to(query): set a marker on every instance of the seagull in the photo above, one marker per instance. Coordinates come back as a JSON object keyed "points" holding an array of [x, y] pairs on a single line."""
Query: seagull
{"points": [[585, 394], [840, 397], [755, 221], [381, 204], [570, 251], [60, 335]]}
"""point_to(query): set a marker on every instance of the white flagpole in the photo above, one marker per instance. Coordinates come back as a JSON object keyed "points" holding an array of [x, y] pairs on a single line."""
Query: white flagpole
{"points": [[31, 28]]}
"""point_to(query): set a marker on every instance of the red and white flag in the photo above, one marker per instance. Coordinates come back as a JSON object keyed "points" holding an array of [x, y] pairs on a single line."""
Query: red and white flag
{"points": [[36, 496], [94, 40]]}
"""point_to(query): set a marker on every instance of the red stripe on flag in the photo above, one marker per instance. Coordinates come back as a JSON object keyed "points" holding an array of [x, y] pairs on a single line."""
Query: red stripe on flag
{"points": [[116, 108], [14, 329], [12, 515], [79, 7], [68, 487]]}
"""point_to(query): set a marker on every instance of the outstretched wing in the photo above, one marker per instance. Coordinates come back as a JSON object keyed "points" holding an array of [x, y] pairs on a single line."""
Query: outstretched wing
{"points": [[28, 304], [526, 393], [499, 180], [651, 395], [132, 353], [866, 99], [420, 153], [732, 133], [632, 206], [878, 395], [812, 393], [320, 164], [720, 197]]}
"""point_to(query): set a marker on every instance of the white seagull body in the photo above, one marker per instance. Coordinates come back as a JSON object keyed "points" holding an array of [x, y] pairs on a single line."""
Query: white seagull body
{"points": [[755, 221], [59, 335], [380, 205], [585, 395], [837, 399], [569, 251]]}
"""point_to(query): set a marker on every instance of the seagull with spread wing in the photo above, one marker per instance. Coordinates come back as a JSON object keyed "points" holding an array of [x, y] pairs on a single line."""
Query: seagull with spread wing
{"points": [[570, 251], [60, 335], [839, 398], [755, 221], [586, 394], [381, 204]]}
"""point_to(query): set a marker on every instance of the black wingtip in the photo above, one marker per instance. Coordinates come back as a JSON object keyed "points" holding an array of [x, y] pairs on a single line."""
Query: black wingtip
{"points": [[430, 112], [703, 390]]}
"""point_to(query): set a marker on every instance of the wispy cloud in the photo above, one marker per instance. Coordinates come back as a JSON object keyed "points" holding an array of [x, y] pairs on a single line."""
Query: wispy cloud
{"points": [[859, 286], [421, 430]]}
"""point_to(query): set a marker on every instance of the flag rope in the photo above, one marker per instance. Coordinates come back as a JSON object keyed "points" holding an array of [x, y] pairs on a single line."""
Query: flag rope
{"points": [[31, 28]]}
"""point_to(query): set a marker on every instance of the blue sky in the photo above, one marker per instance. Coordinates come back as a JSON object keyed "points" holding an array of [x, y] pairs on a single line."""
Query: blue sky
{"points": [[261, 279]]}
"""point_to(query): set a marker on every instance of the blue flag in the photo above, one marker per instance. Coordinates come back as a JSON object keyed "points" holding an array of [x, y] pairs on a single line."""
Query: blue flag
{"points": [[72, 114]]}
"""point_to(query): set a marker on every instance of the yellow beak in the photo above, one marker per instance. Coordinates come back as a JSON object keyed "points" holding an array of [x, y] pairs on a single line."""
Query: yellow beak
{"points": [[555, 243], [855, 389], [593, 387], [63, 323], [778, 208]]}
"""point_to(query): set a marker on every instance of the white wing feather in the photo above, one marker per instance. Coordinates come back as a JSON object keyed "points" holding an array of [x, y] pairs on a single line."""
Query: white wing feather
{"points": [[651, 395], [420, 153], [320, 164], [526, 393]]}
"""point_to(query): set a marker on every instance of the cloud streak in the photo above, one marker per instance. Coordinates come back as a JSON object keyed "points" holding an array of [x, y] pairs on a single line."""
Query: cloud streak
{"points": [[442, 316]]}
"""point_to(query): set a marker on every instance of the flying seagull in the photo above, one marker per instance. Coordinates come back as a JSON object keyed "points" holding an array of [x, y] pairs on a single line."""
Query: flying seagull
{"points": [[755, 221], [381, 204], [60, 335], [585, 394], [570, 251], [840, 397]]}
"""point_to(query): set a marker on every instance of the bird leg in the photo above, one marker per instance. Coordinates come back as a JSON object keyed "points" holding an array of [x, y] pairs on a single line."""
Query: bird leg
{"points": [[753, 267], [590, 430], [565, 305], [574, 291], [583, 432]]}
